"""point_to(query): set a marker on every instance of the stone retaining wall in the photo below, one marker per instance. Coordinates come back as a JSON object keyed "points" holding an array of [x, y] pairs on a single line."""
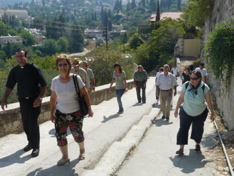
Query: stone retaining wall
{"points": [[10, 119], [222, 11]]}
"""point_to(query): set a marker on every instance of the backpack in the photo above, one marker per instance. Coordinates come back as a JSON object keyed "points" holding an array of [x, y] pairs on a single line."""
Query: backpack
{"points": [[187, 83]]}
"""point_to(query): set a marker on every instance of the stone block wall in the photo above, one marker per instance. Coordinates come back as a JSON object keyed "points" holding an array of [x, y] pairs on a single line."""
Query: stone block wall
{"points": [[222, 11], [10, 120]]}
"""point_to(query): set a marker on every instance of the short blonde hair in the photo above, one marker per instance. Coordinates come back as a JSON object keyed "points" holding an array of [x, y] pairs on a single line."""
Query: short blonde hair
{"points": [[63, 57]]}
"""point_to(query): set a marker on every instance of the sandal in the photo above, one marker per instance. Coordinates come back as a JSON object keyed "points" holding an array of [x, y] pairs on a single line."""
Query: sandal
{"points": [[62, 162], [81, 156], [180, 152]]}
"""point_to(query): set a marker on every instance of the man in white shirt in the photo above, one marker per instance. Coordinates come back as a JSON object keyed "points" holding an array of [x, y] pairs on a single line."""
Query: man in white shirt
{"points": [[175, 71], [166, 82], [203, 71]]}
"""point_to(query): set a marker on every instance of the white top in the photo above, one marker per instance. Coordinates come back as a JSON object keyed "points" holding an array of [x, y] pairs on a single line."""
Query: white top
{"points": [[174, 71], [166, 82], [203, 72], [66, 94]]}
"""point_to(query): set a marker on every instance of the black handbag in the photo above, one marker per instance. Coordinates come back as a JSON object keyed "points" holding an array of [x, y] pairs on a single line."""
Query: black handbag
{"points": [[84, 109]]}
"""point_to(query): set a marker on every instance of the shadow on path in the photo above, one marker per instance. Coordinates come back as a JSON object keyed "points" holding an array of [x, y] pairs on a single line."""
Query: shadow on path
{"points": [[189, 163], [66, 170], [105, 119], [14, 158], [160, 122]]}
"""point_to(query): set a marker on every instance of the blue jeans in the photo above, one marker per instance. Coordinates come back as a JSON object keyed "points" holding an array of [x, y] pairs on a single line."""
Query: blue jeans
{"points": [[119, 94]]}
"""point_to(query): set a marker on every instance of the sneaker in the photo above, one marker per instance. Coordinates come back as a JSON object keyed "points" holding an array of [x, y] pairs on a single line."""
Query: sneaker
{"points": [[120, 112], [180, 152], [198, 148], [163, 117], [167, 119]]}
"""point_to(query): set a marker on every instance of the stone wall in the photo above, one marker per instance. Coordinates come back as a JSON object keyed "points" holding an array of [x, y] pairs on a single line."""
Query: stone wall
{"points": [[10, 120], [222, 11]]}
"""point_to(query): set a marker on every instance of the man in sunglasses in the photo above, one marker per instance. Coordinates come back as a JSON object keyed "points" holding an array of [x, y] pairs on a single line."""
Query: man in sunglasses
{"points": [[80, 71], [30, 90], [166, 82]]}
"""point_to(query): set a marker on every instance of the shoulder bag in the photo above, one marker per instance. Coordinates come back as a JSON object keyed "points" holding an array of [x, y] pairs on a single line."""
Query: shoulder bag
{"points": [[83, 105]]}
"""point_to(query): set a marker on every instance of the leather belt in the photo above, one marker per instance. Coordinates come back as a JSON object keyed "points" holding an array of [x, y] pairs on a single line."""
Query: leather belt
{"points": [[166, 90]]}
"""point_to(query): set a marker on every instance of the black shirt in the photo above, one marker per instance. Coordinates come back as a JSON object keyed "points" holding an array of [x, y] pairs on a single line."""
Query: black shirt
{"points": [[29, 79]]}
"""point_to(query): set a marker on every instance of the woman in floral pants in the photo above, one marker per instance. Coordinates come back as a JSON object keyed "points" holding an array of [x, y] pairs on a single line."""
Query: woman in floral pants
{"points": [[65, 109]]}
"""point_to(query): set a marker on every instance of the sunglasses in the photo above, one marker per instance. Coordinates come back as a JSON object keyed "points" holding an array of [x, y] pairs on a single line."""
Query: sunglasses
{"points": [[194, 78], [62, 65]]}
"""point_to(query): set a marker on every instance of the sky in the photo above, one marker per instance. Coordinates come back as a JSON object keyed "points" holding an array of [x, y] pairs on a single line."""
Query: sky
{"points": [[3, 3]]}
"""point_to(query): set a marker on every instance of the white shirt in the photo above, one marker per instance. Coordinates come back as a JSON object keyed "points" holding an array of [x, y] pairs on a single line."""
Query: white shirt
{"points": [[203, 72], [66, 95], [166, 82], [174, 71]]}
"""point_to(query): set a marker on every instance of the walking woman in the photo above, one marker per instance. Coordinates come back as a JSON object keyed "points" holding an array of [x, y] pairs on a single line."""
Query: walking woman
{"points": [[64, 108], [119, 77], [193, 111], [185, 76]]}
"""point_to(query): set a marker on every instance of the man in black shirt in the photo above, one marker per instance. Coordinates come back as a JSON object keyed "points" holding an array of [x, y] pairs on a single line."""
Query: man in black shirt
{"points": [[30, 90]]}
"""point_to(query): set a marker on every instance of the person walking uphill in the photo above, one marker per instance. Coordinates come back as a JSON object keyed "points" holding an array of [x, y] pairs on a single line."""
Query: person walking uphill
{"points": [[166, 82], [119, 77], [30, 90], [140, 79], [65, 109], [193, 111]]}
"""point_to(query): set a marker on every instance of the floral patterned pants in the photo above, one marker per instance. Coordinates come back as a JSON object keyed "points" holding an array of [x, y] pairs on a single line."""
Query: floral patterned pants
{"points": [[74, 121]]}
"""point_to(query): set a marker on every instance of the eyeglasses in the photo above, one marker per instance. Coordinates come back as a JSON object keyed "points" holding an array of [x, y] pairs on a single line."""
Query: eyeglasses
{"points": [[194, 78], [62, 65]]}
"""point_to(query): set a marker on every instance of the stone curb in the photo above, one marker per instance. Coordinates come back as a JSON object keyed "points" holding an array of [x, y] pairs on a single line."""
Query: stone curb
{"points": [[119, 150]]}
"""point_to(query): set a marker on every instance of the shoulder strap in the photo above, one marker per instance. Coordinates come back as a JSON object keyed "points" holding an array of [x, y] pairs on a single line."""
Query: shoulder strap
{"points": [[186, 84], [203, 87], [74, 76]]}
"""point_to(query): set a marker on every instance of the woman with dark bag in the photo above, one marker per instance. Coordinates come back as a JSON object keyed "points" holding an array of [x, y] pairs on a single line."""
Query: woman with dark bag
{"points": [[65, 110], [194, 96]]}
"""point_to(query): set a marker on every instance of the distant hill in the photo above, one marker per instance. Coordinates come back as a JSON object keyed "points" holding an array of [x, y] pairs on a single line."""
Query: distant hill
{"points": [[4, 3]]}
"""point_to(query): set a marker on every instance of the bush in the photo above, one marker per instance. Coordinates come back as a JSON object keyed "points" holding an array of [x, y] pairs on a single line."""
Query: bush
{"points": [[219, 50]]}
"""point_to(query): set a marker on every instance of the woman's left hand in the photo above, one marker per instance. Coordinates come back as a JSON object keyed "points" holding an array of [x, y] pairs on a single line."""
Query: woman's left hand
{"points": [[126, 89]]}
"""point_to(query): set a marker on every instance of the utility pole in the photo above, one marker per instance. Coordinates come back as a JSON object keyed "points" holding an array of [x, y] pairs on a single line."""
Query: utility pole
{"points": [[106, 35]]}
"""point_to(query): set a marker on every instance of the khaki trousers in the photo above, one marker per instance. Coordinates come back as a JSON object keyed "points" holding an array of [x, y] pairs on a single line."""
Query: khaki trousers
{"points": [[165, 102]]}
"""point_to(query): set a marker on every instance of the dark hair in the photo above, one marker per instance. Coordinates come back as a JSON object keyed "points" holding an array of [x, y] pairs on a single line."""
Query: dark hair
{"points": [[202, 64], [20, 50], [187, 68], [161, 69], [118, 65], [197, 73]]}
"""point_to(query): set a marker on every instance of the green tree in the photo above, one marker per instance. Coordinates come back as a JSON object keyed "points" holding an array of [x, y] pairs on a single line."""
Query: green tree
{"points": [[12, 32], [50, 47], [28, 38], [3, 31], [197, 11], [135, 41], [38, 23], [3, 55], [77, 38], [63, 44], [158, 12]]}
